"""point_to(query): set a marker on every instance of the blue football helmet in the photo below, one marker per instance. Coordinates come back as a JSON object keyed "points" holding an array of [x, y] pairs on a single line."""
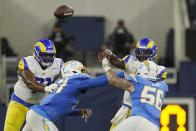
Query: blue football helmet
{"points": [[146, 48], [44, 52]]}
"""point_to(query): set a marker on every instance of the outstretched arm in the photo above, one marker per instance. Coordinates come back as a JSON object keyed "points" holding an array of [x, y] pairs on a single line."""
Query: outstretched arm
{"points": [[112, 58], [87, 112], [97, 81], [119, 82], [115, 80]]}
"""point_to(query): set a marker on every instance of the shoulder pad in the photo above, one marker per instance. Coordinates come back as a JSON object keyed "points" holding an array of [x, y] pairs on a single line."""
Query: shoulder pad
{"points": [[23, 64], [126, 58], [132, 77]]}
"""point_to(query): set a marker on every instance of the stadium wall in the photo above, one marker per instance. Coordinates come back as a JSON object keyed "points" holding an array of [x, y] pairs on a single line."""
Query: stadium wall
{"points": [[26, 21]]}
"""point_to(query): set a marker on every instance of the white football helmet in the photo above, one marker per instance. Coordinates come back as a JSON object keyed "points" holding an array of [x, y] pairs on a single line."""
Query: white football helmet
{"points": [[151, 71], [72, 68]]}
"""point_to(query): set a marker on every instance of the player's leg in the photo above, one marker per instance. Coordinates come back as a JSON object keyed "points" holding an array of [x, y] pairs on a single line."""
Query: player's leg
{"points": [[146, 125], [50, 125], [27, 126], [112, 127], [115, 124], [39, 123], [129, 124], [15, 117], [136, 123]]}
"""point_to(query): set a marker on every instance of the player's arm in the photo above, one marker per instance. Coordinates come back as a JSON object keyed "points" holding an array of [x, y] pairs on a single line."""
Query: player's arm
{"points": [[97, 81], [119, 82], [112, 58], [81, 112], [115, 80], [29, 78]]}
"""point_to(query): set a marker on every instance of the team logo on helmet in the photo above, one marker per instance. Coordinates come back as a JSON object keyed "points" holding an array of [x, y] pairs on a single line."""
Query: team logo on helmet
{"points": [[44, 52], [72, 68], [146, 48]]}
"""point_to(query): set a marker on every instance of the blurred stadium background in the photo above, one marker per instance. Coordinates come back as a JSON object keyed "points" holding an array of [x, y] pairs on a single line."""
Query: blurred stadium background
{"points": [[171, 23]]}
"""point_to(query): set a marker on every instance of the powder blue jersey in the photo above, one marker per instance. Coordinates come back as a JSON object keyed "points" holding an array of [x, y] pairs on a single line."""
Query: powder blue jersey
{"points": [[147, 98], [63, 100]]}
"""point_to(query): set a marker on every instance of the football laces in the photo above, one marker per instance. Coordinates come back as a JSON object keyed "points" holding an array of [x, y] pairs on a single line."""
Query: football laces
{"points": [[65, 14]]}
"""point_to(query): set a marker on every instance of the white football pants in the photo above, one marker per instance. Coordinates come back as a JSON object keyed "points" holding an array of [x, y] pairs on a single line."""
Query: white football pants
{"points": [[136, 123], [35, 122]]}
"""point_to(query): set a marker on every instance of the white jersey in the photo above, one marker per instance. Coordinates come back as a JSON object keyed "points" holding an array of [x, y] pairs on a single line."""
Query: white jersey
{"points": [[131, 66], [44, 77]]}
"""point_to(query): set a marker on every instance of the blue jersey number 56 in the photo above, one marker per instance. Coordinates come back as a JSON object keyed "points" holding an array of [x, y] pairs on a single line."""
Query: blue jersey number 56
{"points": [[152, 99]]}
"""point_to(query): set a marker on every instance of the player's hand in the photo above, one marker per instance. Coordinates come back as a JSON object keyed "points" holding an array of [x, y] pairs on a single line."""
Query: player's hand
{"points": [[51, 88], [107, 53], [85, 113], [120, 115], [105, 64]]}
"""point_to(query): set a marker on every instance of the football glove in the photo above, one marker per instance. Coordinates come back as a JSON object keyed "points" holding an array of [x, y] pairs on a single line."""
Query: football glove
{"points": [[105, 64], [51, 88], [108, 52]]}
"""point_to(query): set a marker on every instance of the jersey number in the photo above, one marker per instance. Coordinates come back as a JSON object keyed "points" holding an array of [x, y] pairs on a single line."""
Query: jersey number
{"points": [[148, 98], [41, 80], [63, 83]]}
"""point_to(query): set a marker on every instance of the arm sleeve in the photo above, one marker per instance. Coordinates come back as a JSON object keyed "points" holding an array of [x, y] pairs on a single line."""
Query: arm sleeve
{"points": [[98, 81], [74, 112], [126, 59]]}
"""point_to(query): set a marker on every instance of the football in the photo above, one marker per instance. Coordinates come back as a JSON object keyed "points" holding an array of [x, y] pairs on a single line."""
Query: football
{"points": [[63, 12]]}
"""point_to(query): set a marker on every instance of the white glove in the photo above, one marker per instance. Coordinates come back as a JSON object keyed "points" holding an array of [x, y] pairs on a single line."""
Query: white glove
{"points": [[109, 52], [51, 88], [105, 65], [120, 115]]}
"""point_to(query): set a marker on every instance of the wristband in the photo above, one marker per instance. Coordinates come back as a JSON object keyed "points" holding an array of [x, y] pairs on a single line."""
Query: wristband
{"points": [[127, 106]]}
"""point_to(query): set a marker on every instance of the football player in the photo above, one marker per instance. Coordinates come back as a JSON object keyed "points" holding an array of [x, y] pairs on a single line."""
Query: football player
{"points": [[147, 94], [145, 52], [35, 75], [64, 99]]}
